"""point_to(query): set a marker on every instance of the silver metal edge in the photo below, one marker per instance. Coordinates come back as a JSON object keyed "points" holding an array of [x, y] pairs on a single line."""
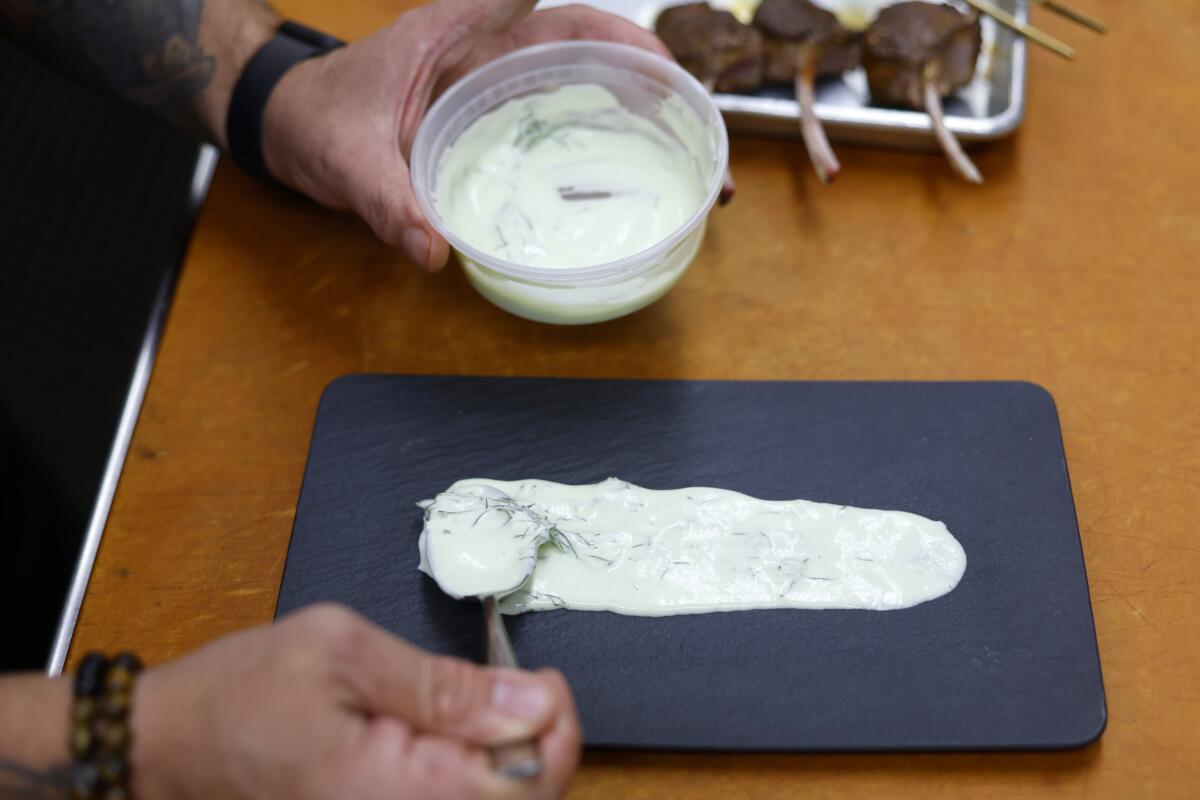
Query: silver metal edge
{"points": [[206, 162], [1007, 121]]}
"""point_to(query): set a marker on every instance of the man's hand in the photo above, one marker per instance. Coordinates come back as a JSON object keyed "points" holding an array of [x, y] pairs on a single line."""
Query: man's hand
{"points": [[325, 705], [339, 128]]}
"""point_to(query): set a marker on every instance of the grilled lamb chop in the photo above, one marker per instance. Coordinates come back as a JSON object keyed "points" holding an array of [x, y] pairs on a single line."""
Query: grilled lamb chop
{"points": [[915, 54], [791, 27], [722, 53], [803, 42]]}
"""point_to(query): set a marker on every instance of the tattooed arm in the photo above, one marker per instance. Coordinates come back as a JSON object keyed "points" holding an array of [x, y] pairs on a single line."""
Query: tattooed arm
{"points": [[34, 711], [337, 128], [177, 58]]}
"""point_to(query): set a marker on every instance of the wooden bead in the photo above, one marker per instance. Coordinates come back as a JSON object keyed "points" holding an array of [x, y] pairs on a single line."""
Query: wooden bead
{"points": [[84, 710], [89, 680], [118, 679], [129, 661], [100, 734], [82, 740], [115, 703], [112, 735]]}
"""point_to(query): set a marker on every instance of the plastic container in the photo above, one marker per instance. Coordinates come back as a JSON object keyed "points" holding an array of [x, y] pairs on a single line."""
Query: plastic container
{"points": [[645, 84]]}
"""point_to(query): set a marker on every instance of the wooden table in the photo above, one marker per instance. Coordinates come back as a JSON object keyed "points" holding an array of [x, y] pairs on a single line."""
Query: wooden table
{"points": [[1077, 266]]}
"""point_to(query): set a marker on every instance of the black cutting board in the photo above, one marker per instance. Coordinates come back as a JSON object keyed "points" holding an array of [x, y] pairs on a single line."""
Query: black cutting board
{"points": [[1007, 660]]}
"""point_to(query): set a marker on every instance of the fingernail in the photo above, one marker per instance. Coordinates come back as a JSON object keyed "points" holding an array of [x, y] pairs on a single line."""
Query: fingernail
{"points": [[416, 242], [521, 699]]}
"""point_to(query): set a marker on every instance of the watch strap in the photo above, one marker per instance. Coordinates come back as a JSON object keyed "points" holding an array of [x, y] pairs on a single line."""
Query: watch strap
{"points": [[290, 45]]}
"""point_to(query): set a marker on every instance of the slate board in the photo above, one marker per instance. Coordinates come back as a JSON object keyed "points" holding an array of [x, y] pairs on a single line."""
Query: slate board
{"points": [[1007, 660]]}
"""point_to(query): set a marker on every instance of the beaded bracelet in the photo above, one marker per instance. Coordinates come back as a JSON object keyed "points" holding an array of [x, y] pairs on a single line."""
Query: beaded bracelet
{"points": [[100, 733]]}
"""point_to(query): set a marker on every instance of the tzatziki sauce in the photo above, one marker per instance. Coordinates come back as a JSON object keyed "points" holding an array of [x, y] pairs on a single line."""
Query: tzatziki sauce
{"points": [[614, 546], [566, 177]]}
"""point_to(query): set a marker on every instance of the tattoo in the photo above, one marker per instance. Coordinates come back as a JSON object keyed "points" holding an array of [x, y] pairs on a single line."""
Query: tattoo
{"points": [[18, 782], [145, 51]]}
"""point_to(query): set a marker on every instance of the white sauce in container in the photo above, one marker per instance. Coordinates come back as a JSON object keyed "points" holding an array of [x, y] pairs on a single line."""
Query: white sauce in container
{"points": [[566, 178], [618, 547]]}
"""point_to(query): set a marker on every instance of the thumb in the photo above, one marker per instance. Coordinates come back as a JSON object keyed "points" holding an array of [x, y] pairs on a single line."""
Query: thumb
{"points": [[449, 696], [491, 17], [386, 200]]}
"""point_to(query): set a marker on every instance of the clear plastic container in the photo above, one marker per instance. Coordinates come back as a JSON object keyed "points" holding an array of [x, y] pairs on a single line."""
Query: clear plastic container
{"points": [[646, 85]]}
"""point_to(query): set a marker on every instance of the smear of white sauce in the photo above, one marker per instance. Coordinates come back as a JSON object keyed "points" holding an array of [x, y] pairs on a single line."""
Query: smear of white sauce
{"points": [[566, 178], [617, 547]]}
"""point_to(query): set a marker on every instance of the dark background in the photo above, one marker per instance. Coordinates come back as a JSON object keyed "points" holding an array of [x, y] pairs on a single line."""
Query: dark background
{"points": [[94, 217]]}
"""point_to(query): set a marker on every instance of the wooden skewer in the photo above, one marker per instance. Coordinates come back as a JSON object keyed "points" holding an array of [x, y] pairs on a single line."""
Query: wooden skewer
{"points": [[1074, 15], [958, 159], [815, 141], [1026, 30]]}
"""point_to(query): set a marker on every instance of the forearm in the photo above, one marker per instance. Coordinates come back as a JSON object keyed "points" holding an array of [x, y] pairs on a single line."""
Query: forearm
{"points": [[178, 58], [34, 716]]}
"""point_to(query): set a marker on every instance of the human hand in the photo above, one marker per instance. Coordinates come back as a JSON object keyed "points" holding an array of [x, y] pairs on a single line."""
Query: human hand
{"points": [[339, 128], [326, 705]]}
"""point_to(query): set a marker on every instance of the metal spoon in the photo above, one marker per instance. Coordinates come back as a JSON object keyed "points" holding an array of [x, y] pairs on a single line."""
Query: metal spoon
{"points": [[517, 759]]}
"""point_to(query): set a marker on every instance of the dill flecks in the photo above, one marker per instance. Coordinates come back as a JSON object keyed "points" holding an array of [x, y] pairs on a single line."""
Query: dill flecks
{"points": [[534, 131]]}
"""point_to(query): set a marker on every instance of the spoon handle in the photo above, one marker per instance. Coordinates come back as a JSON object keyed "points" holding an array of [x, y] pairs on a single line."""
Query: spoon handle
{"points": [[518, 759]]}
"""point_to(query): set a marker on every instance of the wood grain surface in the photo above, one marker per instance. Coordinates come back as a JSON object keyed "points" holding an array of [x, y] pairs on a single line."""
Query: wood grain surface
{"points": [[1076, 266]]}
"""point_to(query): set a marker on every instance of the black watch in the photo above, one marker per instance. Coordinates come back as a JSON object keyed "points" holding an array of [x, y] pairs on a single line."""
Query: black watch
{"points": [[291, 44]]}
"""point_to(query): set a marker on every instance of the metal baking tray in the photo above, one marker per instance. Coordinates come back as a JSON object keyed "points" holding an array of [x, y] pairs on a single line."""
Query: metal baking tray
{"points": [[990, 107]]}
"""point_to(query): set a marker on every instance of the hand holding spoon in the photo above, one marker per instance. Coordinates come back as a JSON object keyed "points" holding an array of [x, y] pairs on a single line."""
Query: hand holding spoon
{"points": [[479, 542], [518, 759]]}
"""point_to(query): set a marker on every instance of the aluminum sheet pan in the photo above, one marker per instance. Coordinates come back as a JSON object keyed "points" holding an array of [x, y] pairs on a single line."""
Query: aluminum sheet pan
{"points": [[990, 107]]}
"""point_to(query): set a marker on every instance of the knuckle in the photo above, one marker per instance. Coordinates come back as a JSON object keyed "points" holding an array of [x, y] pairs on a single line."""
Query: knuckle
{"points": [[454, 688], [385, 220], [391, 235], [325, 616], [588, 12], [333, 627], [557, 681]]}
